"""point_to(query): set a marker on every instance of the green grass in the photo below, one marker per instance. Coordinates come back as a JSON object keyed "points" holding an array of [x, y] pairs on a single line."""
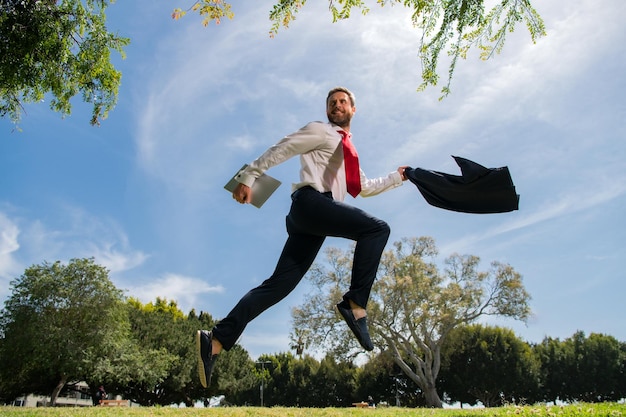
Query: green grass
{"points": [[596, 410]]}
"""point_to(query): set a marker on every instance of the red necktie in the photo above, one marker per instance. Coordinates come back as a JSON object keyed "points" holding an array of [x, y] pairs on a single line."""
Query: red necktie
{"points": [[351, 162]]}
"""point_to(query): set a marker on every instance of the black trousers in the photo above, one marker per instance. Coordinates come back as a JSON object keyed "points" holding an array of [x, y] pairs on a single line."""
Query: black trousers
{"points": [[313, 217]]}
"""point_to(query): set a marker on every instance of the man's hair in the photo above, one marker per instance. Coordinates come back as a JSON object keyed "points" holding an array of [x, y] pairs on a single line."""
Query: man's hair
{"points": [[343, 90]]}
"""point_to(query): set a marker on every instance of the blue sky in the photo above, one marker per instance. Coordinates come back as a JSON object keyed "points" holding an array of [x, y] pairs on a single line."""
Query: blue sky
{"points": [[143, 192]]}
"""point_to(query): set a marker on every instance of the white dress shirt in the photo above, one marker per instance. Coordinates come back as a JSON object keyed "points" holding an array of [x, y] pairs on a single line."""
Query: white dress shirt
{"points": [[321, 158]]}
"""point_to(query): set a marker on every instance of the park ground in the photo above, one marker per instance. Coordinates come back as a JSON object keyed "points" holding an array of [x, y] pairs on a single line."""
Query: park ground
{"points": [[597, 410]]}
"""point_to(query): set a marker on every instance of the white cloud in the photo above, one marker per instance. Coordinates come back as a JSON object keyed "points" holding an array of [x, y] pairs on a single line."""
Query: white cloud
{"points": [[186, 291], [76, 234], [116, 260], [10, 268], [86, 235], [243, 142]]}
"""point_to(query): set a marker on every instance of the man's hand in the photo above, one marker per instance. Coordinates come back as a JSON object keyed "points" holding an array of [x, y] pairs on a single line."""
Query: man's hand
{"points": [[401, 171], [242, 193]]}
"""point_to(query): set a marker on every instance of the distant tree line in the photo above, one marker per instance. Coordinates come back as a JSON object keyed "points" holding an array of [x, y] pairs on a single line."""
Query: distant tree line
{"points": [[482, 364], [65, 323]]}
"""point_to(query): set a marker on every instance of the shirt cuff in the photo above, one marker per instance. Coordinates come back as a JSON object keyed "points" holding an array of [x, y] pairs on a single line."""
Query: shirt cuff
{"points": [[245, 179], [397, 178]]}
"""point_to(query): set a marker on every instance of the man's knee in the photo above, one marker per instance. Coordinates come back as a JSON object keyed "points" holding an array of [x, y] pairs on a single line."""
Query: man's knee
{"points": [[379, 231], [384, 229]]}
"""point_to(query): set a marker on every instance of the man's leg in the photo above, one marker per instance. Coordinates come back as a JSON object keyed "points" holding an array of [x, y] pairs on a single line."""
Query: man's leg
{"points": [[370, 244], [296, 258], [298, 254], [324, 216]]}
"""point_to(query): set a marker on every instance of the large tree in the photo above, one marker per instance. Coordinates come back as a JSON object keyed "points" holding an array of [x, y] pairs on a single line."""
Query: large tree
{"points": [[489, 364], [58, 47], [163, 332], [304, 382], [165, 336], [580, 368], [291, 381], [413, 305], [452, 26], [60, 322]]}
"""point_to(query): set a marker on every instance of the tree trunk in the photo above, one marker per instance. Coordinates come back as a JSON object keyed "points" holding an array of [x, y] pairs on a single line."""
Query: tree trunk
{"points": [[57, 390], [425, 380], [432, 398]]}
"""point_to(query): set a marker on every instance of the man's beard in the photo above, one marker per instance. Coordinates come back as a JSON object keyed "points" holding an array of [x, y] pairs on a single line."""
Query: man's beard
{"points": [[340, 119]]}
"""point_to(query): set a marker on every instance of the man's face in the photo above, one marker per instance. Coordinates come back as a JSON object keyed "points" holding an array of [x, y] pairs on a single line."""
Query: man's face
{"points": [[339, 109]]}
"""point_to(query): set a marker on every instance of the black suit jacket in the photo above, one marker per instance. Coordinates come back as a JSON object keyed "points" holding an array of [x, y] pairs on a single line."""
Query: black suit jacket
{"points": [[477, 190]]}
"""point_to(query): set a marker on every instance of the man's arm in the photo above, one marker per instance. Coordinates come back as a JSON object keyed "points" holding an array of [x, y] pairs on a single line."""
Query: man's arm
{"points": [[304, 140], [375, 186]]}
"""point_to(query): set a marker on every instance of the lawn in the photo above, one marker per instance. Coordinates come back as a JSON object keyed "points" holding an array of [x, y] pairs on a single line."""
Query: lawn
{"points": [[599, 410]]}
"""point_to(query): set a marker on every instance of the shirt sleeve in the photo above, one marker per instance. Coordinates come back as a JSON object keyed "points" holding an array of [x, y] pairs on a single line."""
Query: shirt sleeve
{"points": [[371, 187], [302, 141]]}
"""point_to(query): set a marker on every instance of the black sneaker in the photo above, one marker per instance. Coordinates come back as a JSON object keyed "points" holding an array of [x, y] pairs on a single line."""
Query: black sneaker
{"points": [[206, 360], [358, 327]]}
